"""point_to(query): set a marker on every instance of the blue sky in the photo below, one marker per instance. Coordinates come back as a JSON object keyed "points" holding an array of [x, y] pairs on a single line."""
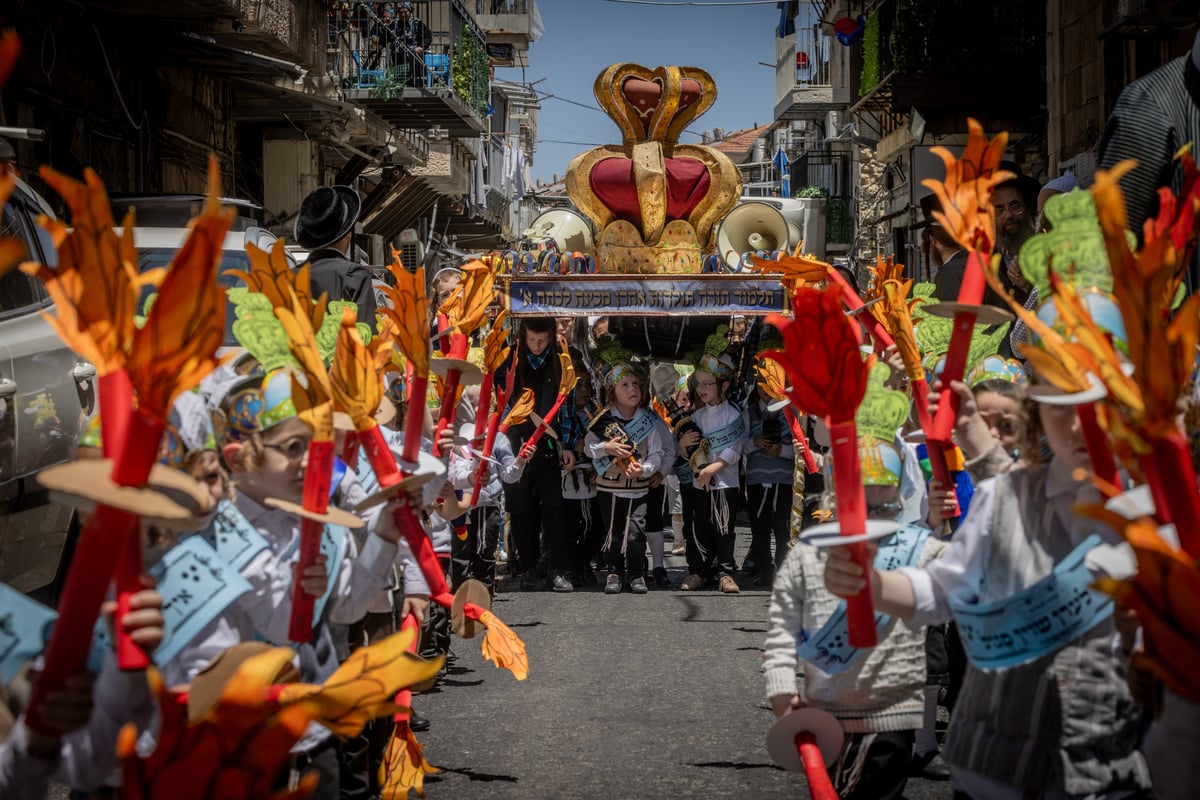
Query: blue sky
{"points": [[585, 36]]}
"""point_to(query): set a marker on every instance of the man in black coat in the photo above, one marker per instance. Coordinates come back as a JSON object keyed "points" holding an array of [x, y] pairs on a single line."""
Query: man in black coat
{"points": [[325, 227]]}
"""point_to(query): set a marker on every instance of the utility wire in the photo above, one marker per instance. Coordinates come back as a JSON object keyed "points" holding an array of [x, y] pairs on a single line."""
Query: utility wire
{"points": [[688, 3]]}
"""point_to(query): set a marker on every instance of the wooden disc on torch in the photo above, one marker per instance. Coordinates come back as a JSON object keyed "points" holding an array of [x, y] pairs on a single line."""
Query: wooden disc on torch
{"points": [[170, 499], [472, 591], [984, 315], [469, 374]]}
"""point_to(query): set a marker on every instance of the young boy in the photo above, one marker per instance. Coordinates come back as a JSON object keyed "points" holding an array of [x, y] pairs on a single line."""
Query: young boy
{"points": [[877, 694], [626, 445]]}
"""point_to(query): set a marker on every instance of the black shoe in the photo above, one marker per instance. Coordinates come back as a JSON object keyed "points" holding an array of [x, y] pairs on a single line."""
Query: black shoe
{"points": [[748, 566], [766, 578], [417, 723], [931, 767], [638, 585], [530, 582], [561, 584], [661, 580], [613, 584], [589, 577]]}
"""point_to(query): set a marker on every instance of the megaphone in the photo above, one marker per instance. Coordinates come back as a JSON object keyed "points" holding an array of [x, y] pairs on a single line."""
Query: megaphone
{"points": [[751, 227], [568, 229]]}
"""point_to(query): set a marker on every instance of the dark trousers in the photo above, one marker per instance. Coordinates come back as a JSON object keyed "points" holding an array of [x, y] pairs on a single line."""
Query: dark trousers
{"points": [[584, 532], [712, 528], [625, 525], [535, 509], [884, 770], [475, 556], [770, 509], [656, 499], [435, 638]]}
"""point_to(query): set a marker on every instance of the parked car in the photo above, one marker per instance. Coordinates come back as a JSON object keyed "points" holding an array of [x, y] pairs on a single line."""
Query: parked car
{"points": [[46, 394], [162, 228]]}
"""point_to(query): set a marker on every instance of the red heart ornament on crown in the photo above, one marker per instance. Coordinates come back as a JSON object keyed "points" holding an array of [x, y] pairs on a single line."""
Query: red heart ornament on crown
{"points": [[687, 185], [645, 96]]}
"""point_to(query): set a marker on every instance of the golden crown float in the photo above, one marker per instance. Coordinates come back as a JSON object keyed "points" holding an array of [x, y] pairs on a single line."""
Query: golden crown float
{"points": [[648, 210]]}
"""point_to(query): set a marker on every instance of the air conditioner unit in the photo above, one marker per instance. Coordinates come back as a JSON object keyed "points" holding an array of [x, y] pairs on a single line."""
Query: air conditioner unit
{"points": [[412, 252]]}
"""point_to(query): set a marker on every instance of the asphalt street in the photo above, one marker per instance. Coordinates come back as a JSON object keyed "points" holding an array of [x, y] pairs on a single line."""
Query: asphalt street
{"points": [[628, 696]]}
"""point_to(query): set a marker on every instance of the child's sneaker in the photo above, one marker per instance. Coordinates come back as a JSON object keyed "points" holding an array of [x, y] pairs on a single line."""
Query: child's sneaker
{"points": [[638, 586], [613, 584]]}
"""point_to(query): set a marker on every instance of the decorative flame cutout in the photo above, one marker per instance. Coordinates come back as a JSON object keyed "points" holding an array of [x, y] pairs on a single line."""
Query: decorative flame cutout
{"points": [[1144, 284], [271, 275], [772, 378], [311, 391], [966, 211], [567, 381], [363, 687], [235, 753], [404, 766], [1165, 593], [356, 376], [797, 269], [501, 646], [821, 356], [177, 346], [895, 312], [467, 307], [95, 287], [495, 352], [522, 407], [409, 315], [874, 298]]}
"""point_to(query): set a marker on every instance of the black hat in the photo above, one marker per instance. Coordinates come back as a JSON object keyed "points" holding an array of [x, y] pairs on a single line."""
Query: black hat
{"points": [[326, 215], [6, 151], [929, 204], [1027, 186]]}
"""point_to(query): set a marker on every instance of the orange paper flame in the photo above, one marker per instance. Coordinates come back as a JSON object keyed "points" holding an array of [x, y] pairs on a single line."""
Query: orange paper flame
{"points": [[521, 408], [178, 345], [95, 286], [409, 314], [271, 275], [467, 307], [772, 378], [404, 766], [364, 686], [356, 376], [567, 381], [311, 389], [965, 195], [495, 352], [503, 647], [895, 313], [797, 269]]}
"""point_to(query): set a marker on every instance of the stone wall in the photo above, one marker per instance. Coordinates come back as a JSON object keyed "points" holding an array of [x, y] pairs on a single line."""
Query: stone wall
{"points": [[1075, 84]]}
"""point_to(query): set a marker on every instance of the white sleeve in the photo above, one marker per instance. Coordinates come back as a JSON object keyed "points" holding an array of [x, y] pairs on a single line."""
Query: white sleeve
{"points": [[362, 577], [511, 468], [784, 619], [654, 458], [593, 445], [958, 574], [89, 755]]}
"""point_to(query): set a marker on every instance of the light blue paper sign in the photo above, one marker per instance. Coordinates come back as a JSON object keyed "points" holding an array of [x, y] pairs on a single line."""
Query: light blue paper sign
{"points": [[233, 537], [333, 547], [829, 649], [366, 476], [726, 436], [1037, 621], [24, 630], [196, 585]]}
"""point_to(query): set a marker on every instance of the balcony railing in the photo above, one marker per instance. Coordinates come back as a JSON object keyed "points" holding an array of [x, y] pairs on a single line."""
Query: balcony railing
{"points": [[371, 60], [486, 7], [812, 58]]}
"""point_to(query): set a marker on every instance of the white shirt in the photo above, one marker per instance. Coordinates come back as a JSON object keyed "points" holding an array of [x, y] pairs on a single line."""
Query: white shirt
{"points": [[713, 418]]}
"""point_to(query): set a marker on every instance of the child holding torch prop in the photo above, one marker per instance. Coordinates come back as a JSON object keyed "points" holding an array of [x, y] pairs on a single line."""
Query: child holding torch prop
{"points": [[828, 377]]}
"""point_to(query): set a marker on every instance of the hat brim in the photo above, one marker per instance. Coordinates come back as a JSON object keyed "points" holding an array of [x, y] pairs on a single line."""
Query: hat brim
{"points": [[353, 205], [984, 314]]}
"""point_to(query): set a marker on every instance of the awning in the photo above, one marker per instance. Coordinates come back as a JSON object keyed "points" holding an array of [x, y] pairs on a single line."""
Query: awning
{"points": [[422, 109], [396, 204]]}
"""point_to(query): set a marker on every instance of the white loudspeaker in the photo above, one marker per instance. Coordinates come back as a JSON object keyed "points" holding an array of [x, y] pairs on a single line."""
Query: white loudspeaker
{"points": [[566, 228], [751, 227]]}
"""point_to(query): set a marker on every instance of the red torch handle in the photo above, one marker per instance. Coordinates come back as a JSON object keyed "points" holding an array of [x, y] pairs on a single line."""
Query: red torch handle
{"points": [[956, 365], [350, 450], [820, 787], [1103, 464], [489, 443], [799, 440], [852, 519], [1172, 480], [404, 696], [116, 406], [483, 411], [143, 437], [458, 349], [414, 419], [935, 449], [540, 430], [317, 477]]}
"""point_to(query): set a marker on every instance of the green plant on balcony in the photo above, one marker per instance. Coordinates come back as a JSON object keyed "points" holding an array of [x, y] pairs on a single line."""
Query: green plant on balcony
{"points": [[469, 73], [870, 48], [388, 85], [811, 191]]}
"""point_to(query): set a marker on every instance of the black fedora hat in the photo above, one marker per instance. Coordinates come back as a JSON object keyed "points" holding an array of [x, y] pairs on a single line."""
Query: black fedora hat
{"points": [[326, 215], [929, 204], [1027, 186]]}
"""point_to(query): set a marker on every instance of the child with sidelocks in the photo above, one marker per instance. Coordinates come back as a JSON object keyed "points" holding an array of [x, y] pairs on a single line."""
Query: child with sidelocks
{"points": [[1044, 710], [878, 694], [626, 445], [721, 433]]}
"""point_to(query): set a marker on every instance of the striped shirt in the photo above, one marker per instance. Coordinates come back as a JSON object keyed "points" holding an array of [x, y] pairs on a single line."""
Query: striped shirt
{"points": [[1154, 116]]}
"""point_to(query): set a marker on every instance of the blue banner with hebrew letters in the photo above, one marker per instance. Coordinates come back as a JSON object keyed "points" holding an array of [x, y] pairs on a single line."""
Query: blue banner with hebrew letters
{"points": [[233, 537], [829, 649], [196, 585], [24, 630], [1039, 620], [637, 429], [333, 547], [661, 295]]}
